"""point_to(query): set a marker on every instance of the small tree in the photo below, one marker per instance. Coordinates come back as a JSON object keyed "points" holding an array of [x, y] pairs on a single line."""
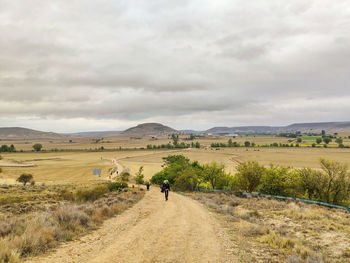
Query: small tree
{"points": [[247, 143], [327, 140], [335, 182], [175, 139], [139, 176], [339, 140], [318, 140], [249, 175], [213, 173], [299, 140], [37, 147], [0, 157], [25, 178]]}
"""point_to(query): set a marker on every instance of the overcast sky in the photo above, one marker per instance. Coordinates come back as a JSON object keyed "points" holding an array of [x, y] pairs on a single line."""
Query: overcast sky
{"points": [[110, 64]]}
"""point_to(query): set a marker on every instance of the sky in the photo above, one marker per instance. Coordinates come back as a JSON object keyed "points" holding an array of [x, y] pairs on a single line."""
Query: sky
{"points": [[69, 66]]}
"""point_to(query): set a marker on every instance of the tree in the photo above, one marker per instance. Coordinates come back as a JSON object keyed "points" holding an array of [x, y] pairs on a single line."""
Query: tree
{"points": [[277, 181], [249, 175], [25, 178], [198, 145], [139, 176], [335, 182], [37, 147], [187, 180], [213, 173], [323, 133], [318, 140], [327, 140], [299, 140], [230, 143], [175, 139], [247, 143], [339, 140]]}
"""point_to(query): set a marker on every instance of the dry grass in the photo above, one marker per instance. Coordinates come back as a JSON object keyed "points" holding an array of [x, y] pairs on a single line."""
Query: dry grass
{"points": [[39, 229], [265, 230]]}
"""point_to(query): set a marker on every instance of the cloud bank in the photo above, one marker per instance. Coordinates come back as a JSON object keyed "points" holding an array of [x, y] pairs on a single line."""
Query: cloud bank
{"points": [[186, 63]]}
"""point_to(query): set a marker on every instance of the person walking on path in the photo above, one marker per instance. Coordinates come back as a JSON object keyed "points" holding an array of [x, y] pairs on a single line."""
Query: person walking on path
{"points": [[166, 188], [147, 185]]}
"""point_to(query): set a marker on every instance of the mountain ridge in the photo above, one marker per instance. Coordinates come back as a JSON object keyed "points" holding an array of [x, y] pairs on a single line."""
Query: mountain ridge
{"points": [[157, 129]]}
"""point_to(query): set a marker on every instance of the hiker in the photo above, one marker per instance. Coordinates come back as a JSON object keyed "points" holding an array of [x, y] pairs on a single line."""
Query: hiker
{"points": [[147, 185], [165, 189]]}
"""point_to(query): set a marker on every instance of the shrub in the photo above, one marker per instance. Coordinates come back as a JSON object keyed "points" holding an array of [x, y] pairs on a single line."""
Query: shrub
{"points": [[90, 194], [117, 186], [0, 170], [249, 175], [8, 255], [276, 181], [187, 181], [277, 241], [71, 216], [125, 176]]}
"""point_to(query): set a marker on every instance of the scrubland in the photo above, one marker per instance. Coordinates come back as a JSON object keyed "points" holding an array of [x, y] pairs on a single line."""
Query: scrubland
{"points": [[35, 219], [263, 230]]}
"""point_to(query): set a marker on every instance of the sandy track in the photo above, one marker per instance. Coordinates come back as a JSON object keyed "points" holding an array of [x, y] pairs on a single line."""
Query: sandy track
{"points": [[179, 230]]}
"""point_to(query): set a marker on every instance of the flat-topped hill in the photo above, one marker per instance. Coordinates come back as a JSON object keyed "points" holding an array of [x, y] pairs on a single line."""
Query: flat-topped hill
{"points": [[149, 129]]}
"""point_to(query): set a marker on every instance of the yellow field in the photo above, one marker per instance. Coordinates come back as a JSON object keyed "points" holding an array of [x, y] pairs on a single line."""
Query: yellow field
{"points": [[77, 167], [115, 142]]}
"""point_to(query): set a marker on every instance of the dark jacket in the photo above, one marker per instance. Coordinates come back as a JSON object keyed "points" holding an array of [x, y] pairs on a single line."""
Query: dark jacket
{"points": [[166, 186]]}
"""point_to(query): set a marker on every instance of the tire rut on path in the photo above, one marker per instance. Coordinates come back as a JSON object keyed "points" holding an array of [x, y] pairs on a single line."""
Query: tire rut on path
{"points": [[179, 230]]}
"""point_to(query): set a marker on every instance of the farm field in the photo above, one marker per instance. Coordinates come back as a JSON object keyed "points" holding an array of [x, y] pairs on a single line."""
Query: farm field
{"points": [[117, 142], [77, 167]]}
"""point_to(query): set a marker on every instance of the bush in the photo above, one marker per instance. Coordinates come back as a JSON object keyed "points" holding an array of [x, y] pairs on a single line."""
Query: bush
{"points": [[90, 194], [125, 176], [0, 170], [117, 186], [249, 175], [277, 181], [187, 181]]}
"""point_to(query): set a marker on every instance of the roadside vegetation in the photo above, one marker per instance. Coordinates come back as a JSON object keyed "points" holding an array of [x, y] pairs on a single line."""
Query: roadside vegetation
{"points": [[35, 219], [330, 184], [263, 230]]}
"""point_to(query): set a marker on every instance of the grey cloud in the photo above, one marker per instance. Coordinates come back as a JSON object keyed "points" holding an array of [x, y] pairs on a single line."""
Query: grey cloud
{"points": [[214, 62]]}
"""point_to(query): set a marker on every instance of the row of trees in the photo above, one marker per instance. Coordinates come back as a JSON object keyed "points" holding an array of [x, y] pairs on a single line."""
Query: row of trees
{"points": [[331, 184], [181, 145], [319, 140], [6, 148]]}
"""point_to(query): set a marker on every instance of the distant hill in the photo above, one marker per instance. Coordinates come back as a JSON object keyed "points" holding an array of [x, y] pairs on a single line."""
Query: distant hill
{"points": [[243, 129], [149, 129], [9, 133], [95, 133], [317, 127]]}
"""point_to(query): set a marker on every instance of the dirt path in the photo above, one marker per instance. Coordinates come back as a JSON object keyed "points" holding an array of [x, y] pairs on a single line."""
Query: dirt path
{"points": [[179, 230]]}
